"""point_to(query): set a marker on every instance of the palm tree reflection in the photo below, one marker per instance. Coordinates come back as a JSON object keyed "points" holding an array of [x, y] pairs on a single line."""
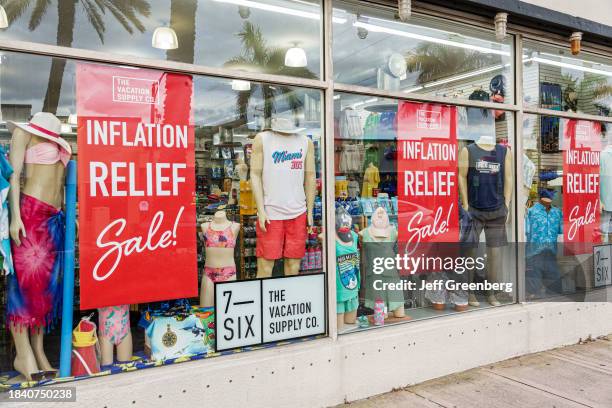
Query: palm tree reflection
{"points": [[257, 56], [126, 12]]}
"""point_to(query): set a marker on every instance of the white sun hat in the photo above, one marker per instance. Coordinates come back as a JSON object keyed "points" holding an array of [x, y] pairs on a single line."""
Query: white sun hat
{"points": [[283, 125], [45, 125]]}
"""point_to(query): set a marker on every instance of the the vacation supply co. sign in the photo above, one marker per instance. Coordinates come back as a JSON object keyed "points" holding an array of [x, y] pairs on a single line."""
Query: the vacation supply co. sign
{"points": [[252, 312], [136, 181]]}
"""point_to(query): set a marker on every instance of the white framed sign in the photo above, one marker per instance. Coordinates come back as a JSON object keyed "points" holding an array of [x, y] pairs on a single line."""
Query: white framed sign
{"points": [[249, 313], [602, 265], [237, 314]]}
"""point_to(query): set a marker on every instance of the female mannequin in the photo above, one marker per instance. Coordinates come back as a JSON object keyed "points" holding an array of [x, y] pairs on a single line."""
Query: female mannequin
{"points": [[220, 235], [36, 228], [379, 240]]}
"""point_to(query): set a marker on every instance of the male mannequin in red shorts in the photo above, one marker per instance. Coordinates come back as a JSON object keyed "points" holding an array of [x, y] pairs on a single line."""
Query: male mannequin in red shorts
{"points": [[284, 185]]}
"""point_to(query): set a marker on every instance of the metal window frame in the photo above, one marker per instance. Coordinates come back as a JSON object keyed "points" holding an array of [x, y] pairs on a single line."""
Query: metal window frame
{"points": [[328, 87]]}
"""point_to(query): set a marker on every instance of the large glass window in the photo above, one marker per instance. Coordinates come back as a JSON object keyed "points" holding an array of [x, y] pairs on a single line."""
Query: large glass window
{"points": [[567, 208], [255, 36], [424, 214], [243, 132], [555, 79], [425, 56]]}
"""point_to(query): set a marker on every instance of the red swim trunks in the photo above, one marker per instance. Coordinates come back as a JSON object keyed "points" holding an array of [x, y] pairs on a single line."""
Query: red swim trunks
{"points": [[282, 239]]}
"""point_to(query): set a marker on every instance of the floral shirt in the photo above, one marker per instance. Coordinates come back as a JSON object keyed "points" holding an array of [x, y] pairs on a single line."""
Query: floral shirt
{"points": [[542, 228]]}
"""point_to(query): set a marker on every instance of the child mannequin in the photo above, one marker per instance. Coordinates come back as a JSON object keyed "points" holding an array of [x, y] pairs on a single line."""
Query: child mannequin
{"points": [[220, 235], [347, 270], [379, 240]]}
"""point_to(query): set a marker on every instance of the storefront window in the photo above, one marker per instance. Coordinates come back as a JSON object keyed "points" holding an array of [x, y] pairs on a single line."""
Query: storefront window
{"points": [[555, 79], [171, 171], [426, 56], [254, 36], [424, 213], [567, 219]]}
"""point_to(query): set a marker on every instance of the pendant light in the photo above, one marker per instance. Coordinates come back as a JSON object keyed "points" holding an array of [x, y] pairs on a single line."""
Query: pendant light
{"points": [[575, 40], [3, 18], [501, 26], [296, 57], [164, 38], [240, 85], [404, 9]]}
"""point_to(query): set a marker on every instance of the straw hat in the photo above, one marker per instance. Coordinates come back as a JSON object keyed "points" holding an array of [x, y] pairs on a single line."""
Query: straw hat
{"points": [[45, 125]]}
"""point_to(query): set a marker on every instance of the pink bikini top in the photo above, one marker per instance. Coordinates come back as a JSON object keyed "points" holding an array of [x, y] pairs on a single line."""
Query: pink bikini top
{"points": [[220, 239], [46, 153]]}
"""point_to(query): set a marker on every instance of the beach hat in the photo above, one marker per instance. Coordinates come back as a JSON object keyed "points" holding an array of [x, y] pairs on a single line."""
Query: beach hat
{"points": [[283, 125], [45, 125], [379, 226]]}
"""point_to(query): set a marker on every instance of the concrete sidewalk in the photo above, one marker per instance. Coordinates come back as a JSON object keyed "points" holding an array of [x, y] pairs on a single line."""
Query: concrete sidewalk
{"points": [[573, 376]]}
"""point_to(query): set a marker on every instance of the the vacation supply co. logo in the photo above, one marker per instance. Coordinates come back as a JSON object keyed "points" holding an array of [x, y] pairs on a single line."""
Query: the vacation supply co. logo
{"points": [[284, 156]]}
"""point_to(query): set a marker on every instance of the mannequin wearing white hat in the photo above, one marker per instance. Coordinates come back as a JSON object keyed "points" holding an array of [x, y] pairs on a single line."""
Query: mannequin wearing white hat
{"points": [[379, 240], [284, 186], [36, 227]]}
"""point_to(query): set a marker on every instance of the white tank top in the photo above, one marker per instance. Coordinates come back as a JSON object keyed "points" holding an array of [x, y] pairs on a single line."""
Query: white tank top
{"points": [[283, 175]]}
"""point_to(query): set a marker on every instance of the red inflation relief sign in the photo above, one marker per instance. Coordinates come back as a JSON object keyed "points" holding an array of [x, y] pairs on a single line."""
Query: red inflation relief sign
{"points": [[581, 183], [137, 235], [427, 176]]}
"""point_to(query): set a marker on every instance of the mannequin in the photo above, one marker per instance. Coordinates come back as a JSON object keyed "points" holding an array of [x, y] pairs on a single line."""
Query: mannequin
{"points": [[371, 178], [379, 240], [605, 192], [114, 331], [485, 189], [36, 226], [220, 235], [284, 186], [543, 224], [347, 269]]}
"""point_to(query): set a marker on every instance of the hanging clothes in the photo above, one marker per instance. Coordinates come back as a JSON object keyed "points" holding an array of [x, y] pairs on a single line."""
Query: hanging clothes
{"points": [[5, 242], [350, 125], [371, 178]]}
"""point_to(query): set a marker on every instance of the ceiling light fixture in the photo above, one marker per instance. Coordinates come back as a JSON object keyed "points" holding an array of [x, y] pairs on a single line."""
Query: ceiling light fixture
{"points": [[164, 38], [401, 33], [501, 26], [457, 78], [560, 64], [283, 10], [404, 9], [3, 18], [240, 85], [296, 57]]}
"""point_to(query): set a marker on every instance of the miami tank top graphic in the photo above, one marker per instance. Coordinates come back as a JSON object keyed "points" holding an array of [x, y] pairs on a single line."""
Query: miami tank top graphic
{"points": [[486, 177], [283, 175]]}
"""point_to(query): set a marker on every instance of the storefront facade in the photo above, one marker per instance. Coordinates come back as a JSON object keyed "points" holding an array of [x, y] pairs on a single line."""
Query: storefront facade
{"points": [[366, 140]]}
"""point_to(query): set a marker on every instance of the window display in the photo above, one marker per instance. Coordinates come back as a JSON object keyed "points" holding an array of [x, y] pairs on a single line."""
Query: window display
{"points": [[425, 56], [554, 79], [431, 225], [566, 217], [237, 143]]}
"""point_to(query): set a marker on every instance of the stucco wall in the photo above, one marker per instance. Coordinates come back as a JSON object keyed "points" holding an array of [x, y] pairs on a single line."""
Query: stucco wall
{"points": [[595, 10]]}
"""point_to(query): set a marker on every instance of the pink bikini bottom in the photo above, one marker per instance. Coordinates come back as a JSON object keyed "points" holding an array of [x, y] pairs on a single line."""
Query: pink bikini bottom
{"points": [[220, 274]]}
